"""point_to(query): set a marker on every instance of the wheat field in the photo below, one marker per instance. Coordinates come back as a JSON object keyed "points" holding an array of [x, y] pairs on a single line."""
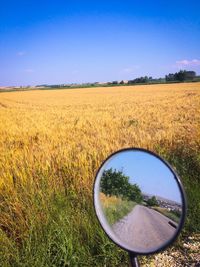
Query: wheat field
{"points": [[51, 145]]}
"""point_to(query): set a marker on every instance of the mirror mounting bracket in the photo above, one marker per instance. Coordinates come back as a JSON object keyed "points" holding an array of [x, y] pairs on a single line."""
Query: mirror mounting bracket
{"points": [[133, 260]]}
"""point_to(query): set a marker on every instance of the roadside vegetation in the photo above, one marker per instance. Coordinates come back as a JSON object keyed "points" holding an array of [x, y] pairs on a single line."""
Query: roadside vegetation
{"points": [[152, 202], [51, 145], [118, 196], [173, 215], [115, 208]]}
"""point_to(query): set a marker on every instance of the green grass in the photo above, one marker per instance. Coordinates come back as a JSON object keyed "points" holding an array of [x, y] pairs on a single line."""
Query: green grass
{"points": [[68, 235], [170, 214], [61, 228], [116, 211], [186, 162]]}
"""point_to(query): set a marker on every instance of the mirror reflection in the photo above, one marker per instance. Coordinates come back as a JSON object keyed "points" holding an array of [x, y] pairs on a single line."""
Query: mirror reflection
{"points": [[138, 201]]}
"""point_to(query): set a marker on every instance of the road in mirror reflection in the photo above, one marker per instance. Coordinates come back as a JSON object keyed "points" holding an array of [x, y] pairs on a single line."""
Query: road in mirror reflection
{"points": [[140, 200]]}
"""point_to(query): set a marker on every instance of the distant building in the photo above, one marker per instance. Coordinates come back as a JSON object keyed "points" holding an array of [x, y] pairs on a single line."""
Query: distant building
{"points": [[101, 83]]}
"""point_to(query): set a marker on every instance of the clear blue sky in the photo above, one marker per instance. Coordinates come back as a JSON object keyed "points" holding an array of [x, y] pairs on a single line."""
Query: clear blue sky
{"points": [[148, 172], [87, 41]]}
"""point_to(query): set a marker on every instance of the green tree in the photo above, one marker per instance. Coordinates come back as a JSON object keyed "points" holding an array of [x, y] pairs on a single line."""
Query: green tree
{"points": [[152, 201], [181, 76], [135, 193], [115, 183]]}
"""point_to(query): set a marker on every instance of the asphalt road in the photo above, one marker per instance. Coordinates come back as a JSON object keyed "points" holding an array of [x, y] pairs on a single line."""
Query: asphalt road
{"points": [[144, 229]]}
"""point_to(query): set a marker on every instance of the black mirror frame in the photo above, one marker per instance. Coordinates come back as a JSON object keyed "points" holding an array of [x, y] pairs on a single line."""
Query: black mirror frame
{"points": [[183, 198]]}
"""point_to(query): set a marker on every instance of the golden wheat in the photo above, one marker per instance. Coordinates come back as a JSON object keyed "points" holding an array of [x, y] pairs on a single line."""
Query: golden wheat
{"points": [[82, 126], [54, 141]]}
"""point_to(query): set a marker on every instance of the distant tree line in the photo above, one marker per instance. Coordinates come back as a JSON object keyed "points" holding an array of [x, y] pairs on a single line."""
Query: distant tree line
{"points": [[142, 79], [115, 183], [181, 76]]}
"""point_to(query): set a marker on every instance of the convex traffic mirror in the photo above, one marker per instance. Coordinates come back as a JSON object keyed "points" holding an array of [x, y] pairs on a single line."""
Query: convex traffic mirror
{"points": [[139, 201]]}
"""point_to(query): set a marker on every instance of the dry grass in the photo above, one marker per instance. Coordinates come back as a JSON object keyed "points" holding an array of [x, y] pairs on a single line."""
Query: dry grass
{"points": [[115, 208], [109, 201], [52, 142]]}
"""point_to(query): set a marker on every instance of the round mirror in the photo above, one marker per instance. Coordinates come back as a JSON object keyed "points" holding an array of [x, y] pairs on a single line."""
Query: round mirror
{"points": [[139, 201]]}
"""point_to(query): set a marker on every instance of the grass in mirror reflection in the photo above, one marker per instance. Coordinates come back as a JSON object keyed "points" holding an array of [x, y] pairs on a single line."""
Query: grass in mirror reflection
{"points": [[173, 215], [115, 208]]}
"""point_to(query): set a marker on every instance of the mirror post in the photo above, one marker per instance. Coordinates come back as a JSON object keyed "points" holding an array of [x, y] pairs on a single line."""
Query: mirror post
{"points": [[133, 259]]}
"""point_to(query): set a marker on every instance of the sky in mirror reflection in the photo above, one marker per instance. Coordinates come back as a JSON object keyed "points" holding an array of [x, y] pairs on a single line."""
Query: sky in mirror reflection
{"points": [[147, 171]]}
